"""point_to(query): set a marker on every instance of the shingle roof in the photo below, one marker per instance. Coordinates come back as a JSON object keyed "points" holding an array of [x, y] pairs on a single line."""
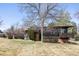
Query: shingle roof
{"points": [[62, 26]]}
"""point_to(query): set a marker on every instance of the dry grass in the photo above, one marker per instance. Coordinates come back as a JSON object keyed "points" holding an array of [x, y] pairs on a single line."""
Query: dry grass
{"points": [[20, 47]]}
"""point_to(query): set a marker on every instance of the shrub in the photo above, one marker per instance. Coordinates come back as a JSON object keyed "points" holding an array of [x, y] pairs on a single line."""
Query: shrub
{"points": [[16, 36], [19, 36], [2, 35], [31, 34], [9, 36], [77, 37]]}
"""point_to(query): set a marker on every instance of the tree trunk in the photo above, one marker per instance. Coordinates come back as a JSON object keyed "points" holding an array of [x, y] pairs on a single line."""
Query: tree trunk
{"points": [[25, 36], [42, 24], [13, 37], [7, 36]]}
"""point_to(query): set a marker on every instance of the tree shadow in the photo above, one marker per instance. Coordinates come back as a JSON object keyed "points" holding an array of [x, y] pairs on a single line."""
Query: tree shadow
{"points": [[74, 43]]}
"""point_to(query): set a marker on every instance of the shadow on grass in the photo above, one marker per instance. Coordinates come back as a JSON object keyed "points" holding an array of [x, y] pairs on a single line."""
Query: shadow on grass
{"points": [[74, 43]]}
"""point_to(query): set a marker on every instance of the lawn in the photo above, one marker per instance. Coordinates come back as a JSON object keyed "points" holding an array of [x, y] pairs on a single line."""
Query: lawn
{"points": [[19, 47]]}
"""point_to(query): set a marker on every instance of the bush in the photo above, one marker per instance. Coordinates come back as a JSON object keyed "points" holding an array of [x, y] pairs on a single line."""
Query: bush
{"points": [[31, 34], [9, 36], [77, 37], [16, 36], [19, 36], [2, 35]]}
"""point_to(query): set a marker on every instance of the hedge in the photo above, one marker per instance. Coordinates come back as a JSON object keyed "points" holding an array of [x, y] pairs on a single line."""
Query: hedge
{"points": [[77, 37], [31, 34]]}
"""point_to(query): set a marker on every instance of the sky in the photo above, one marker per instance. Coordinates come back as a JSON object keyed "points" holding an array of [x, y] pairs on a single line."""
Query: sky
{"points": [[10, 13], [72, 8]]}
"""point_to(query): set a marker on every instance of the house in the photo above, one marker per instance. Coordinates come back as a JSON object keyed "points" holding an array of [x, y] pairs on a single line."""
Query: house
{"points": [[58, 33]]}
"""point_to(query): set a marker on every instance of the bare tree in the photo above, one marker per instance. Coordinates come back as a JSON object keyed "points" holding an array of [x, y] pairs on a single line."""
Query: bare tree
{"points": [[41, 12], [28, 22], [12, 31], [1, 22], [77, 16]]}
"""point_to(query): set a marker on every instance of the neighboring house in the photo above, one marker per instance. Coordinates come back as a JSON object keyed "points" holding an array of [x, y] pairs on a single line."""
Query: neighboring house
{"points": [[54, 34]]}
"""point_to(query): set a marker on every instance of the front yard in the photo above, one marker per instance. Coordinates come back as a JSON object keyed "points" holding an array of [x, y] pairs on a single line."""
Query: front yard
{"points": [[18, 47]]}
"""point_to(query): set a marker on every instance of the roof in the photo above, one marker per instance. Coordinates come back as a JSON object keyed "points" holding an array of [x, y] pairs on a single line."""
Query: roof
{"points": [[62, 26]]}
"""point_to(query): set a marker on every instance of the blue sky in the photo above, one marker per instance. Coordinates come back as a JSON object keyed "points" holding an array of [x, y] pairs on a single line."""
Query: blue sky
{"points": [[72, 8], [10, 13]]}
